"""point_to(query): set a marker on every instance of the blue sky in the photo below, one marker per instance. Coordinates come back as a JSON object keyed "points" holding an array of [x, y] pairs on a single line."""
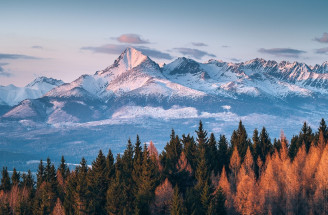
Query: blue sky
{"points": [[65, 39]]}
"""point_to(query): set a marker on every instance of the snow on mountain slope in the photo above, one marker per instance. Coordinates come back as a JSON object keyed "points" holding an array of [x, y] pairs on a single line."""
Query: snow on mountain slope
{"points": [[12, 95], [132, 73]]}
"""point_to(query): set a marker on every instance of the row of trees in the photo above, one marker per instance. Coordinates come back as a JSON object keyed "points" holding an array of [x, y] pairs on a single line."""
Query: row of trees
{"points": [[191, 176]]}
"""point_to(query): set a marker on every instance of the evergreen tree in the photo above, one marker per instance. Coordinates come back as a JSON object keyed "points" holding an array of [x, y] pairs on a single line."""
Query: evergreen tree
{"points": [[177, 205], [213, 154], [5, 180], [15, 178], [190, 150], [115, 193], [28, 180], [145, 185], [81, 187], [265, 144], [129, 184], [202, 137], [97, 185], [40, 175], [323, 128], [217, 203], [110, 165], [240, 140], [223, 156], [202, 187], [170, 157], [63, 168]]}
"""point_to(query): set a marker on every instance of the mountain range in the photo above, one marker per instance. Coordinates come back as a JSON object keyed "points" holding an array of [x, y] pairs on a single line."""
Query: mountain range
{"points": [[136, 91]]}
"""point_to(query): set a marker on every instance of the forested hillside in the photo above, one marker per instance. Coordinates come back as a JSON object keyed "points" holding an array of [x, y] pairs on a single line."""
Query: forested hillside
{"points": [[251, 174]]}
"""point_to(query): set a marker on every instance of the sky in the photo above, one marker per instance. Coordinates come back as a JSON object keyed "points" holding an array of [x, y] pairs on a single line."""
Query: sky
{"points": [[64, 39]]}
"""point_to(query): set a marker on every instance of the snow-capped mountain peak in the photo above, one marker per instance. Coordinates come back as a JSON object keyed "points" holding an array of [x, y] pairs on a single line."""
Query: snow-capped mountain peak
{"points": [[42, 79]]}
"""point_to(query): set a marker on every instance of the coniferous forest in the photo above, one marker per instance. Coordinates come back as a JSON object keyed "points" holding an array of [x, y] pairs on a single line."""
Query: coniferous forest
{"points": [[250, 174]]}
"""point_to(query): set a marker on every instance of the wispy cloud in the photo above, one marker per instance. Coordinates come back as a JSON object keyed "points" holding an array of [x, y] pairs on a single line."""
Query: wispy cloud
{"points": [[322, 51], [16, 56], [118, 49], [283, 52], [195, 53], [37, 47], [131, 39], [323, 38], [3, 72], [198, 44], [225, 46]]}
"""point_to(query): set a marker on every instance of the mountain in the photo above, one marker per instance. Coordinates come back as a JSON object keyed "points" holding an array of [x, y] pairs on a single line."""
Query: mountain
{"points": [[137, 81], [12, 95], [135, 95]]}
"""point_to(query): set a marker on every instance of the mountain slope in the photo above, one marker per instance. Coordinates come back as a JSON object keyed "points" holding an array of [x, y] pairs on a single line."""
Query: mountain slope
{"points": [[12, 95], [134, 80]]}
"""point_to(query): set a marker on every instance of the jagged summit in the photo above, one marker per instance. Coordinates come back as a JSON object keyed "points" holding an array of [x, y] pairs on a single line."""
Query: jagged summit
{"points": [[131, 58], [43, 79]]}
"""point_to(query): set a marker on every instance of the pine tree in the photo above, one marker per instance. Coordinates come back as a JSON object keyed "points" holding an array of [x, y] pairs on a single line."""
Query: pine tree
{"points": [[63, 168], [217, 203], [170, 157], [213, 154], [202, 137], [115, 192], [110, 165], [81, 187], [223, 156], [190, 150], [28, 180], [15, 178], [97, 185], [240, 140], [40, 175], [177, 204], [323, 129], [5, 180]]}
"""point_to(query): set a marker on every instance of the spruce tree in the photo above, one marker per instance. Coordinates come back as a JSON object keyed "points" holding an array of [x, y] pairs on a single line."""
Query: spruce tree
{"points": [[177, 204], [265, 144], [223, 156], [5, 180], [115, 193], [170, 157], [213, 154], [97, 185], [217, 206], [63, 168], [15, 178], [240, 139], [82, 187], [190, 150], [110, 165], [40, 175], [202, 139]]}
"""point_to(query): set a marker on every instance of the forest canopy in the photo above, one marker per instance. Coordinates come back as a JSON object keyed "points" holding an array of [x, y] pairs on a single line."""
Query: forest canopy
{"points": [[201, 174]]}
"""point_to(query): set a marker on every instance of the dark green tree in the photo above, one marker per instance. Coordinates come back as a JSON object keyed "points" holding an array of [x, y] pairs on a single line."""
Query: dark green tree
{"points": [[170, 157], [265, 144], [217, 206], [212, 155], [223, 153], [15, 177], [5, 180], [177, 204], [40, 175], [240, 139], [63, 168], [97, 185]]}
